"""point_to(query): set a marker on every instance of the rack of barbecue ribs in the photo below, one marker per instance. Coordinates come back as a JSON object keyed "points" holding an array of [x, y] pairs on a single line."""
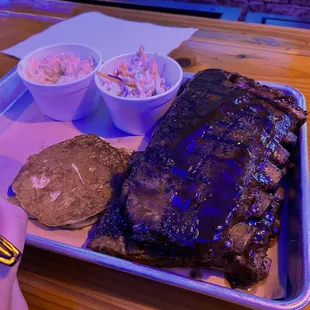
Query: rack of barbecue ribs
{"points": [[206, 191]]}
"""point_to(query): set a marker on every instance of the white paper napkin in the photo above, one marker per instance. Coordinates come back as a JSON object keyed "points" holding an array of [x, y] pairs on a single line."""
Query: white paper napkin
{"points": [[111, 36]]}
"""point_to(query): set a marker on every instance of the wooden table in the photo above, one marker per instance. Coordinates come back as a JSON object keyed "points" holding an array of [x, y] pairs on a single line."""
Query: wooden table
{"points": [[51, 281]]}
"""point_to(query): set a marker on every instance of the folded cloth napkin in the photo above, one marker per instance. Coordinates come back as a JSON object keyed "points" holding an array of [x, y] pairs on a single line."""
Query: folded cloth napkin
{"points": [[111, 36]]}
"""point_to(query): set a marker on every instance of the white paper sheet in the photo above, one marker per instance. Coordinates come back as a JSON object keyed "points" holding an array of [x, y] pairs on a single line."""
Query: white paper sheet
{"points": [[111, 36]]}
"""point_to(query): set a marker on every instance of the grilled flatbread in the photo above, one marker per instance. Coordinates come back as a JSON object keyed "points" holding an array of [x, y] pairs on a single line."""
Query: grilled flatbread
{"points": [[70, 183]]}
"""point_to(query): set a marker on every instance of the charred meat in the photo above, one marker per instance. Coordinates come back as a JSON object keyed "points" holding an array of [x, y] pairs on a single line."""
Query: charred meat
{"points": [[206, 191]]}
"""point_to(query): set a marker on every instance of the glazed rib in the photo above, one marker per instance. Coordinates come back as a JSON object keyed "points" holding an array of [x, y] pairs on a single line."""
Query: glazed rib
{"points": [[205, 190]]}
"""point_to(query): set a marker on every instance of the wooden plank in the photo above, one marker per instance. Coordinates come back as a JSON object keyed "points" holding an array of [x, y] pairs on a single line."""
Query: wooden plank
{"points": [[279, 38]]}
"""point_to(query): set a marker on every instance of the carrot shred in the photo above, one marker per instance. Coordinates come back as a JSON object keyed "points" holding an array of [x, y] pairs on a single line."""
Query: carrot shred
{"points": [[111, 78]]}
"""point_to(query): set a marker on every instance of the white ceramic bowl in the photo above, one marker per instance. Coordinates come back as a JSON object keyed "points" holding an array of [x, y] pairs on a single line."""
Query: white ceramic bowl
{"points": [[138, 116], [68, 101]]}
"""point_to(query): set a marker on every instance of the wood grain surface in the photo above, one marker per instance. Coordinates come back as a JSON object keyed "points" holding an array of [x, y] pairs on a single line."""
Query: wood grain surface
{"points": [[50, 281]]}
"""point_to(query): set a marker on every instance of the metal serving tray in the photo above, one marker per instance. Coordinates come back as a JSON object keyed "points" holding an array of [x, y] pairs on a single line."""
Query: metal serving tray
{"points": [[15, 100]]}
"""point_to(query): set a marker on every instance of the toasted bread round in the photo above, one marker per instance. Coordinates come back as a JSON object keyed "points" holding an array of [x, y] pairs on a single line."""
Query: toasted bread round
{"points": [[71, 182]]}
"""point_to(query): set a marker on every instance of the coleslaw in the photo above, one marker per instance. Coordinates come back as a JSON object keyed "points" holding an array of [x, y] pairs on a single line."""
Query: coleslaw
{"points": [[58, 69], [140, 79]]}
